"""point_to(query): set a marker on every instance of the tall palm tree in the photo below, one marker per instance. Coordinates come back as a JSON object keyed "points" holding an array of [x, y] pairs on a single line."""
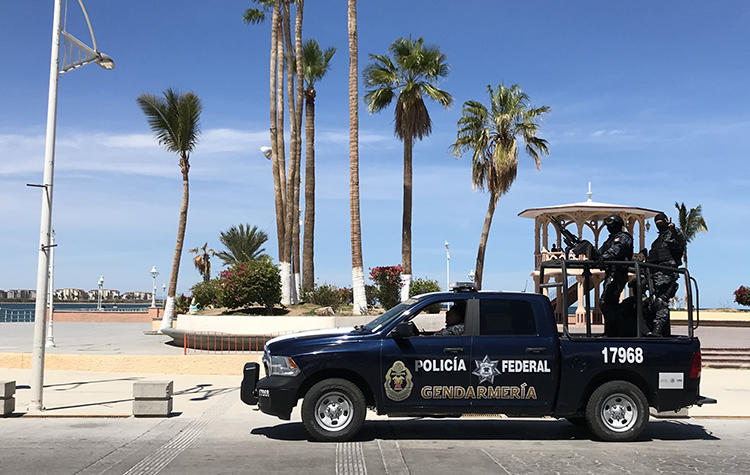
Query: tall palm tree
{"points": [[691, 223], [298, 71], [358, 274], [315, 65], [174, 119], [491, 135], [244, 243], [410, 75], [202, 260]]}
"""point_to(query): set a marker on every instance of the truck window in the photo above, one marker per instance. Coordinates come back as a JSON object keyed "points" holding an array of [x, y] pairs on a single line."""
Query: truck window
{"points": [[506, 317]]}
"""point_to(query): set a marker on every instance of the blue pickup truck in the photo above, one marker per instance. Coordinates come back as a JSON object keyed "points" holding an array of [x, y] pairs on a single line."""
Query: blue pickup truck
{"points": [[510, 358]]}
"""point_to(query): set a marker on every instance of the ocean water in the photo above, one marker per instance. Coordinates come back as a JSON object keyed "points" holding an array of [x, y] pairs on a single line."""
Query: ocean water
{"points": [[24, 311]]}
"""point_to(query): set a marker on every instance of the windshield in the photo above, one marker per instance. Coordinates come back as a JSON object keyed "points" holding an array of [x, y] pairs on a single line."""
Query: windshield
{"points": [[389, 315]]}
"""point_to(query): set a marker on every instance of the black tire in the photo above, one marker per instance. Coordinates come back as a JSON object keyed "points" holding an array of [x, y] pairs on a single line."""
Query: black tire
{"points": [[333, 410], [617, 411]]}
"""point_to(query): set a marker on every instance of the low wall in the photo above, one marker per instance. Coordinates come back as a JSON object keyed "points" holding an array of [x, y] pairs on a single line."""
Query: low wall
{"points": [[73, 316], [280, 325]]}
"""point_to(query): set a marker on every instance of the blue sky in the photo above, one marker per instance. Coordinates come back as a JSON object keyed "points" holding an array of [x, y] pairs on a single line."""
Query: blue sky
{"points": [[649, 102]]}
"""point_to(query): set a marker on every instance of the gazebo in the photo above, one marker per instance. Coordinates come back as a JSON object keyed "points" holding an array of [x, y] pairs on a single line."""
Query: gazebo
{"points": [[587, 220]]}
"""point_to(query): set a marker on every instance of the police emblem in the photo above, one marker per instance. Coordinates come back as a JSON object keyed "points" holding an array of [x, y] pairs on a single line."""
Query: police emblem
{"points": [[398, 383]]}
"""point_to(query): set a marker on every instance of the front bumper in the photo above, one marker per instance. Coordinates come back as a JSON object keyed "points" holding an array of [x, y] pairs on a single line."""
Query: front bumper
{"points": [[277, 395]]}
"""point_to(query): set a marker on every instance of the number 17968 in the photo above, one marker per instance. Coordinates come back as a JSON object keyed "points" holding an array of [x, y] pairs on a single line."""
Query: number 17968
{"points": [[619, 354]]}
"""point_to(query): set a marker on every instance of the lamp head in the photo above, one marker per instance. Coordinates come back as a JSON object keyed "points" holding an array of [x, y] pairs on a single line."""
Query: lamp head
{"points": [[101, 280], [105, 62], [154, 272], [266, 151]]}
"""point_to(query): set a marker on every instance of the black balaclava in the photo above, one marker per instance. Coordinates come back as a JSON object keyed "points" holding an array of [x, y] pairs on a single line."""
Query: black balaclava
{"points": [[661, 221], [614, 223]]}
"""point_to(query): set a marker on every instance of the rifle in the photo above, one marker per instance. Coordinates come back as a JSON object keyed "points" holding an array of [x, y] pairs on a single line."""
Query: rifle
{"points": [[572, 242]]}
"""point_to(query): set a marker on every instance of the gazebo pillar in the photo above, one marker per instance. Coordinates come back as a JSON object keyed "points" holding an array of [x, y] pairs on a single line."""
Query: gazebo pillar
{"points": [[641, 233], [581, 309], [545, 233], [537, 250]]}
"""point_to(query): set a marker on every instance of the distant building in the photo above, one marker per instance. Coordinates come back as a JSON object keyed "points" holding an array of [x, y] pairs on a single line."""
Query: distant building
{"points": [[136, 296], [107, 294], [3, 294], [21, 294], [71, 295]]}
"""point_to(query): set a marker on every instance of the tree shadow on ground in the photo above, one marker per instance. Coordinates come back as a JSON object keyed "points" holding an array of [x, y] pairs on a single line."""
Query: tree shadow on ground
{"points": [[504, 429], [260, 311], [77, 384], [203, 392]]}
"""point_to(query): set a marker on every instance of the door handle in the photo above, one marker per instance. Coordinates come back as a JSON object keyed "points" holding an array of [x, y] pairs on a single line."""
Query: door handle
{"points": [[453, 351], [536, 349]]}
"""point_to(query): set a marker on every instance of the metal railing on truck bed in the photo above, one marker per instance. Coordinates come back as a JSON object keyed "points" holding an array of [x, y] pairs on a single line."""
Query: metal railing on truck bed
{"points": [[641, 270]]}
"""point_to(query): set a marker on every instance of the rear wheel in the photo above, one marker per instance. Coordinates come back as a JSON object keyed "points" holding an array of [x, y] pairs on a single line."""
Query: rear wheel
{"points": [[333, 410], [617, 411]]}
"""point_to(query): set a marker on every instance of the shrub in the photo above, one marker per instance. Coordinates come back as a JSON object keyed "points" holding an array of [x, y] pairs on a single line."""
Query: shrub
{"points": [[247, 283], [742, 295], [388, 282], [206, 293], [423, 286], [327, 295], [371, 295], [181, 304]]}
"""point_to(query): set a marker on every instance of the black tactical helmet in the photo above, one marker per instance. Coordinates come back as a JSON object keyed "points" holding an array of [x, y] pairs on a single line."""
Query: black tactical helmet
{"points": [[614, 223]]}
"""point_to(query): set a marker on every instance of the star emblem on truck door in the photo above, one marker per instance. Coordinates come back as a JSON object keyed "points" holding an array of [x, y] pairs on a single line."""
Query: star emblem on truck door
{"points": [[486, 370]]}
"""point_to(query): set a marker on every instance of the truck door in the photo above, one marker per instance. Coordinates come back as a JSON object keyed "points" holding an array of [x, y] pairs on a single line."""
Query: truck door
{"points": [[420, 374], [514, 369]]}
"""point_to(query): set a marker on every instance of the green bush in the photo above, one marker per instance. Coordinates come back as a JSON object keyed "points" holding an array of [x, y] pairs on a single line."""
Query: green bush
{"points": [[388, 282], [206, 293], [181, 304], [371, 295], [247, 283], [327, 295], [423, 286]]}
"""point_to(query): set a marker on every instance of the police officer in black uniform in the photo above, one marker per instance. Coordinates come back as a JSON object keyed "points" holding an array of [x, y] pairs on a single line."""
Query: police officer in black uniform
{"points": [[618, 247], [666, 250]]}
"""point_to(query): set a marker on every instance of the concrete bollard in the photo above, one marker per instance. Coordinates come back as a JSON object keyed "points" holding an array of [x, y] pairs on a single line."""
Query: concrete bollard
{"points": [[7, 397], [152, 398]]}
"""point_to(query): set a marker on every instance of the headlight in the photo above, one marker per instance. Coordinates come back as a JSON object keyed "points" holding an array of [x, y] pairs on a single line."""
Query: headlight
{"points": [[282, 366]]}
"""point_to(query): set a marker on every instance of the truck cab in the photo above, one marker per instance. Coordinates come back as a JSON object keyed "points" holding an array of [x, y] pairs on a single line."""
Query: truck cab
{"points": [[509, 358]]}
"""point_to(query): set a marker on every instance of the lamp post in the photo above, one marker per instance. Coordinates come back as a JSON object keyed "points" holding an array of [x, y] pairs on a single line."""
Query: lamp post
{"points": [[99, 300], [50, 322], [447, 267], [77, 54], [154, 274]]}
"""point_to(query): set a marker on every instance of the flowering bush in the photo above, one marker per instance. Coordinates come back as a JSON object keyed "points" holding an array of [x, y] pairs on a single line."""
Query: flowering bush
{"points": [[206, 293], [181, 304], [328, 295], [742, 295], [247, 283], [388, 282]]}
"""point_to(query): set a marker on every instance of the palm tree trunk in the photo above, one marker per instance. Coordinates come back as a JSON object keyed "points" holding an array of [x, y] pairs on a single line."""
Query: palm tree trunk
{"points": [[358, 275], [287, 276], [298, 149], [273, 126], [483, 240], [166, 321], [284, 251], [308, 249], [406, 220], [687, 281]]}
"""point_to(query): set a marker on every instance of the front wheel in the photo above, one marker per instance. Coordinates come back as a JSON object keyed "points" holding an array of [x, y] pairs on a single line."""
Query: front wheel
{"points": [[333, 410], [617, 411]]}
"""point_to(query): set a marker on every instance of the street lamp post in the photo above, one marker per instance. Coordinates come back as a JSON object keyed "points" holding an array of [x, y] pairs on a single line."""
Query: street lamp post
{"points": [[99, 300], [78, 54], [50, 322], [447, 266], [154, 274]]}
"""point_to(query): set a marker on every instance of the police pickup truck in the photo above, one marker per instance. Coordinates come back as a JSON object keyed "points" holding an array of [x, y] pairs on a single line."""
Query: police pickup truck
{"points": [[510, 359]]}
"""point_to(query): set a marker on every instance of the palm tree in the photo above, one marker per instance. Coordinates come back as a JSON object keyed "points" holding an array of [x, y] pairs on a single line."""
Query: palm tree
{"points": [[202, 260], [412, 74], [358, 274], [315, 66], [492, 137], [244, 243], [691, 223], [174, 119]]}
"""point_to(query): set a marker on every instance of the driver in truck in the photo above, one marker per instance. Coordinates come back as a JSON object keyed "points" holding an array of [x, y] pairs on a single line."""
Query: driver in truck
{"points": [[454, 320]]}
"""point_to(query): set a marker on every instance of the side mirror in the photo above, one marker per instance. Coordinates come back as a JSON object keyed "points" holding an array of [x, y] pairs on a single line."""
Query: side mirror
{"points": [[402, 330]]}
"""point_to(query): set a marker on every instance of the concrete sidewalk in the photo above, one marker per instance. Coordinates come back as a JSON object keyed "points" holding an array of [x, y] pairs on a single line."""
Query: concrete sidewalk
{"points": [[109, 394]]}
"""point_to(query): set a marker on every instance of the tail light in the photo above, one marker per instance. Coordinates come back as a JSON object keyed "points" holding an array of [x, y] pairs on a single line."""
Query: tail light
{"points": [[695, 366]]}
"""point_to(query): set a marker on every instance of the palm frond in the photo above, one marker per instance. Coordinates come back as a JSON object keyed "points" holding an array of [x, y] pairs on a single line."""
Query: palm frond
{"points": [[244, 243]]}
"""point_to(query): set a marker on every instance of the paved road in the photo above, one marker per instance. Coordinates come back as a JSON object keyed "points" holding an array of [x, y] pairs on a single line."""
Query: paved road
{"points": [[229, 437]]}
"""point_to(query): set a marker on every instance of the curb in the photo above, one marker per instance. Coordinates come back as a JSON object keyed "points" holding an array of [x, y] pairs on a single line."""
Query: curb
{"points": [[161, 364]]}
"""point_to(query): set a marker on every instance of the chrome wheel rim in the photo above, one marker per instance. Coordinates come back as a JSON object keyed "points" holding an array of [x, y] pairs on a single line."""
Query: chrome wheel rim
{"points": [[334, 411], [619, 412]]}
